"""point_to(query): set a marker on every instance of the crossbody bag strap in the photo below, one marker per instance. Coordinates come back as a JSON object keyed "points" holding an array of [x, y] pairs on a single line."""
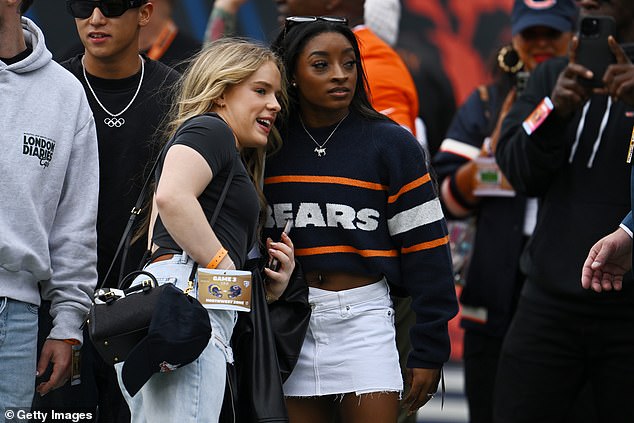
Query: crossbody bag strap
{"points": [[214, 216], [223, 194]]}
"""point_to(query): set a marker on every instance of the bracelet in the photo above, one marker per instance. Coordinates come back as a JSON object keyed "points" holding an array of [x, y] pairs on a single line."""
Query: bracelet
{"points": [[538, 116], [222, 252], [71, 341]]}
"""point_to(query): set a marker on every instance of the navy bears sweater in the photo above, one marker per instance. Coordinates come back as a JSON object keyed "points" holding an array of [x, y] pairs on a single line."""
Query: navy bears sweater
{"points": [[369, 206]]}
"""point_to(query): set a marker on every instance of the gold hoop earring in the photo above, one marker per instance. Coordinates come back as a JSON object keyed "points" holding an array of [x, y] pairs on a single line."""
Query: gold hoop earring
{"points": [[509, 60]]}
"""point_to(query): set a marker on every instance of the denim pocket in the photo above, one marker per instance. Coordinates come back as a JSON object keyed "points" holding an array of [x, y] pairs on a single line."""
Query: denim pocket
{"points": [[162, 281], [170, 271], [32, 308]]}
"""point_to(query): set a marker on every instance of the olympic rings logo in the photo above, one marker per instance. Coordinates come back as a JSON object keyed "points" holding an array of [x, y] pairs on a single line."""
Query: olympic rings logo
{"points": [[115, 122]]}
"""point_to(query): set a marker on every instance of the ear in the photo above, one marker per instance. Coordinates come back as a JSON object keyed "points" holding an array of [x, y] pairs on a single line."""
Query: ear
{"points": [[145, 13], [220, 101]]}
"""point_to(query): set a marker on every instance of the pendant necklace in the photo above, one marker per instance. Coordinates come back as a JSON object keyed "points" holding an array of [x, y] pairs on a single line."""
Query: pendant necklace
{"points": [[114, 121], [320, 150]]}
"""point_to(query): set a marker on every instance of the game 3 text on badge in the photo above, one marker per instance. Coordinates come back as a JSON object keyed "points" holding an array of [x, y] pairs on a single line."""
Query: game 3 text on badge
{"points": [[224, 278]]}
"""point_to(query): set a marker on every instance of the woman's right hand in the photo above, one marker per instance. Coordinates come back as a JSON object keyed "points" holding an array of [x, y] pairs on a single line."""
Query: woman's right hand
{"points": [[569, 94]]}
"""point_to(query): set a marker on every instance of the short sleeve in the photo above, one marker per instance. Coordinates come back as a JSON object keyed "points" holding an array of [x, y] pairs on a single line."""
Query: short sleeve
{"points": [[211, 137]]}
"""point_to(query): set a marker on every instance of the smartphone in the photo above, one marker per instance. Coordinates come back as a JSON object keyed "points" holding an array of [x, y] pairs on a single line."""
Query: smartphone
{"points": [[593, 50], [274, 264]]}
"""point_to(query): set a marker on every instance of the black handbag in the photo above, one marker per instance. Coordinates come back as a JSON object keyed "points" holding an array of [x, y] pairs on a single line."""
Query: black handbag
{"points": [[266, 343], [118, 322]]}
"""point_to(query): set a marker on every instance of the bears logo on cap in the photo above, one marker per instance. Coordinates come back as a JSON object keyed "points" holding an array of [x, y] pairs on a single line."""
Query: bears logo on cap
{"points": [[540, 4]]}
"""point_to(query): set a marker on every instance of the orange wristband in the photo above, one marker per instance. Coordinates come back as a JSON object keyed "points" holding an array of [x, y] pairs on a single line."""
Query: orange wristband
{"points": [[71, 341], [222, 252]]}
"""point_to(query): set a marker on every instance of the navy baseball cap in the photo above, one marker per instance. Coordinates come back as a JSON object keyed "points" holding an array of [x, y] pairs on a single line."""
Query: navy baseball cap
{"points": [[557, 14], [179, 332]]}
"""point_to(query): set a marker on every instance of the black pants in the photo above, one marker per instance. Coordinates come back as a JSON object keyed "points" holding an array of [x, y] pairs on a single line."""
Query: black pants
{"points": [[481, 354], [550, 356]]}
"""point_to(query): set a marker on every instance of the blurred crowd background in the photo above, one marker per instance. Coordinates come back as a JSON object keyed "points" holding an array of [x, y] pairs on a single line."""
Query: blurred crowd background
{"points": [[448, 45]]}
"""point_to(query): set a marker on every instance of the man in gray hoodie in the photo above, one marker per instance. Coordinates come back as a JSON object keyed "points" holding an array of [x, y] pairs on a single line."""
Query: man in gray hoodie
{"points": [[48, 197]]}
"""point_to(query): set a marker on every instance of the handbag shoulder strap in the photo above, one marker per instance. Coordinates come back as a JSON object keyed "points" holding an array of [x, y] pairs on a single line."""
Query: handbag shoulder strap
{"points": [[214, 216], [134, 213], [223, 194]]}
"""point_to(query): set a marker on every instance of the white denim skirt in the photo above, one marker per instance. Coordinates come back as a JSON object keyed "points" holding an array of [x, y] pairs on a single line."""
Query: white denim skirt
{"points": [[350, 344]]}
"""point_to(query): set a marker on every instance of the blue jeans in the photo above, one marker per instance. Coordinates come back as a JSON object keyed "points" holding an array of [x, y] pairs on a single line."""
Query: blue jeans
{"points": [[192, 393], [18, 353]]}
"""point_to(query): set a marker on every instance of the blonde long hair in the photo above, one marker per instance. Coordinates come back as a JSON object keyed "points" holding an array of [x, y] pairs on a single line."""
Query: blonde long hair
{"points": [[220, 65], [224, 63]]}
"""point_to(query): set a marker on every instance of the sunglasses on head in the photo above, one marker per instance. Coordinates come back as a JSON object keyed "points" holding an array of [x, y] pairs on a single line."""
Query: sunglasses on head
{"points": [[291, 21], [82, 9]]}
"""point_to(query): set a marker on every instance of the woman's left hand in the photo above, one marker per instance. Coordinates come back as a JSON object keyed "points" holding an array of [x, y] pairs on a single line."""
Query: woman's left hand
{"points": [[283, 252], [423, 384]]}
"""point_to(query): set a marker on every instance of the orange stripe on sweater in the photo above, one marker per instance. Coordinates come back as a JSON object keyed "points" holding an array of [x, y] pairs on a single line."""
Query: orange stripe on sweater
{"points": [[324, 180], [412, 185], [333, 249], [426, 245]]}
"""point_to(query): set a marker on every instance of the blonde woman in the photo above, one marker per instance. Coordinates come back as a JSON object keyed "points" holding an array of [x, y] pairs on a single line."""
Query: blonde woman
{"points": [[228, 101]]}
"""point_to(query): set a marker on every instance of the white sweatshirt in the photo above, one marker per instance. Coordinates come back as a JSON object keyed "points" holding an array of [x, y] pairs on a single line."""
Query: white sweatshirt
{"points": [[49, 186]]}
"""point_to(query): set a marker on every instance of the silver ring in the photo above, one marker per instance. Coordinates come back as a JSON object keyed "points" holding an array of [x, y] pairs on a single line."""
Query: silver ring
{"points": [[430, 396]]}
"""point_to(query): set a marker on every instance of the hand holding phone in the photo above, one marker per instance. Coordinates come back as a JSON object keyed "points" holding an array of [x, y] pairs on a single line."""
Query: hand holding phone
{"points": [[274, 264], [593, 51]]}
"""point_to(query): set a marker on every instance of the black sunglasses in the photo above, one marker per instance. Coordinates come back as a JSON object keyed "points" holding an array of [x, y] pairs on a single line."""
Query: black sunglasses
{"points": [[82, 9], [291, 21]]}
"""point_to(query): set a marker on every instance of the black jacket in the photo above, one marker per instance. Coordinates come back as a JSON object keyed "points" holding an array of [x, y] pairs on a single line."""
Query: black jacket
{"points": [[582, 180]]}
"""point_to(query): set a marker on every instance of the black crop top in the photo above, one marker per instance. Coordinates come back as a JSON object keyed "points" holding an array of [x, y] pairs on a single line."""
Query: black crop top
{"points": [[236, 225]]}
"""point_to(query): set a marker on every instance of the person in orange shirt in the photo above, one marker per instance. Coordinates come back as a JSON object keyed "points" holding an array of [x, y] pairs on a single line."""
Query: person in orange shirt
{"points": [[392, 90]]}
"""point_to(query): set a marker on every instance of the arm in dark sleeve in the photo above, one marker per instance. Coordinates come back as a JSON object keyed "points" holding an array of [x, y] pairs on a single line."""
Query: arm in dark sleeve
{"points": [[418, 229], [530, 161], [462, 144]]}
